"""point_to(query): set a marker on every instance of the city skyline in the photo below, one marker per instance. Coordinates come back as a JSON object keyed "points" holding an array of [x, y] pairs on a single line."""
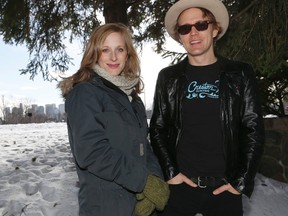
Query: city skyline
{"points": [[32, 114]]}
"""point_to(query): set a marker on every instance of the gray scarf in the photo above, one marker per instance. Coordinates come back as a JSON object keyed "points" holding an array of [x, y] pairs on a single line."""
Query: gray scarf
{"points": [[125, 84]]}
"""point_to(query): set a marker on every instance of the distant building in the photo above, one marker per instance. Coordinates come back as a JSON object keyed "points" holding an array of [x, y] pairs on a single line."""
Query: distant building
{"points": [[34, 108], [16, 111], [62, 114], [40, 110], [51, 111], [7, 111], [7, 114], [61, 108]]}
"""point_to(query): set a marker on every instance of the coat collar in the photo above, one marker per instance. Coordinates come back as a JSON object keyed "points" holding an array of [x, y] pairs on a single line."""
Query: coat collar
{"points": [[116, 93]]}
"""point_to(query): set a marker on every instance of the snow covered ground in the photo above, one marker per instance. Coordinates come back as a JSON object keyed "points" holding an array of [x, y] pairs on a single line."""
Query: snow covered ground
{"points": [[38, 177]]}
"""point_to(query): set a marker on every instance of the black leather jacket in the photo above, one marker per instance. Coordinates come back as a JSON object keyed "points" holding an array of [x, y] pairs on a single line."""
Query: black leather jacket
{"points": [[241, 120]]}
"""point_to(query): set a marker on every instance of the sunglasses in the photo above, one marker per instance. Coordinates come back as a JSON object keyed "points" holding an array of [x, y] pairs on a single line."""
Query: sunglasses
{"points": [[200, 26]]}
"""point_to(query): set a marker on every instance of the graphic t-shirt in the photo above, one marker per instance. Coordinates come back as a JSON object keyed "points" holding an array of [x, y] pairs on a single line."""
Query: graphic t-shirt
{"points": [[200, 150]]}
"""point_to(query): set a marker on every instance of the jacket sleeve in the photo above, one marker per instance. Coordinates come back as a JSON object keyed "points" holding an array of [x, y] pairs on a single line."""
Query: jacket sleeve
{"points": [[90, 145], [160, 127], [251, 135]]}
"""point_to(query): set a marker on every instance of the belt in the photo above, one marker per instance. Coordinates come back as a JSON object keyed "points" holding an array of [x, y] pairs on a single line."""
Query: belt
{"points": [[209, 181]]}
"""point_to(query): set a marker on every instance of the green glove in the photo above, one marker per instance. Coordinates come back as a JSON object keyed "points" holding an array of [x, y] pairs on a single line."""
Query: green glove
{"points": [[144, 207], [157, 191]]}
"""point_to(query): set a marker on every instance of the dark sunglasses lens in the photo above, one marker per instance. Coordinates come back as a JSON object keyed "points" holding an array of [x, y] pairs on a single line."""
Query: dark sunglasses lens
{"points": [[184, 29], [201, 26]]}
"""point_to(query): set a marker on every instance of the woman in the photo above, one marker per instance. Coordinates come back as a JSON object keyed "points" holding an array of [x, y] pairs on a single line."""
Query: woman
{"points": [[107, 129]]}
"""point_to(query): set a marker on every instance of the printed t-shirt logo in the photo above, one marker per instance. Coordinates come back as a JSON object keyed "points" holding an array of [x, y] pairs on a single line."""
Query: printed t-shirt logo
{"points": [[202, 91]]}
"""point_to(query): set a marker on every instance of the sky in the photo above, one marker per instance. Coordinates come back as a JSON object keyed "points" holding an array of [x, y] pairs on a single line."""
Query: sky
{"points": [[38, 176], [20, 88]]}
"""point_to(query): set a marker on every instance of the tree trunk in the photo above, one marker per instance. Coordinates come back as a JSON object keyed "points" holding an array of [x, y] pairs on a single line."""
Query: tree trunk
{"points": [[115, 11]]}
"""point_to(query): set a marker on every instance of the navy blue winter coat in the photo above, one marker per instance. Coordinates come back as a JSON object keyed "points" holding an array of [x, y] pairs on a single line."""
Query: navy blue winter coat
{"points": [[108, 139]]}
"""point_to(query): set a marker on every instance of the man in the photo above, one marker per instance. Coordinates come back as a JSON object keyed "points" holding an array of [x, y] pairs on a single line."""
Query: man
{"points": [[207, 127]]}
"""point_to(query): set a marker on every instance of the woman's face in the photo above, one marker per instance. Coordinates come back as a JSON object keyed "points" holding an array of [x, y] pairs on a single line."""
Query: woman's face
{"points": [[113, 54]]}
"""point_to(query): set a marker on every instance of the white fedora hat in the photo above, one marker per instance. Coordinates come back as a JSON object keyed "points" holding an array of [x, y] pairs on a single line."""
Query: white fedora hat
{"points": [[216, 7]]}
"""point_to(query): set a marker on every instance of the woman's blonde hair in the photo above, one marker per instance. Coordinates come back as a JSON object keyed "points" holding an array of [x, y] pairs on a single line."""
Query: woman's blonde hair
{"points": [[92, 54]]}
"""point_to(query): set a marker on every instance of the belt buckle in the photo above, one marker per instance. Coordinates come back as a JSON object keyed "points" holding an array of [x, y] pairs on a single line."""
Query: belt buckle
{"points": [[199, 183]]}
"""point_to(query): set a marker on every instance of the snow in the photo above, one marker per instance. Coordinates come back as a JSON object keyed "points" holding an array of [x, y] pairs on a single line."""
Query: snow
{"points": [[38, 176]]}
